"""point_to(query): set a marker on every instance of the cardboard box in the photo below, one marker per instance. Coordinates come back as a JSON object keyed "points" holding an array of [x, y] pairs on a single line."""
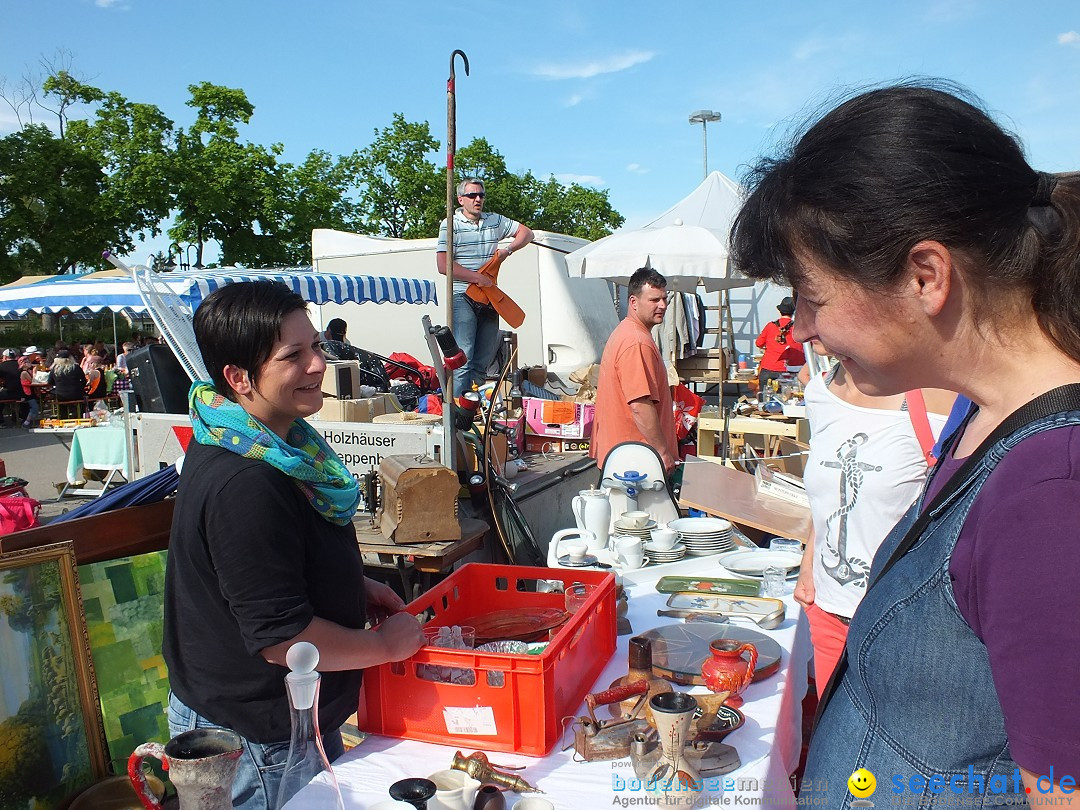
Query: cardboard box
{"points": [[352, 410], [558, 419], [543, 444], [342, 381]]}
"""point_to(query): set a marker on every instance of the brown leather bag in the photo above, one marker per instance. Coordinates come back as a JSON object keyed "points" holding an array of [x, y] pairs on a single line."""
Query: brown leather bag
{"points": [[507, 308]]}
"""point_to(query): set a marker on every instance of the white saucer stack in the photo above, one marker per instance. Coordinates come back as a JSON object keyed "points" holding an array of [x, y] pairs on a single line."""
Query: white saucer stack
{"points": [[673, 554], [624, 529], [703, 535]]}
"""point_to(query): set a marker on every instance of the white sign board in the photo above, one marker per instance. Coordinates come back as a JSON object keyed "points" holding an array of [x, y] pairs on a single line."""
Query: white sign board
{"points": [[360, 445]]}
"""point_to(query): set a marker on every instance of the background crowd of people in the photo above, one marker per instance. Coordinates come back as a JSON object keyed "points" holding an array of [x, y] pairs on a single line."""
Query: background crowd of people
{"points": [[75, 372]]}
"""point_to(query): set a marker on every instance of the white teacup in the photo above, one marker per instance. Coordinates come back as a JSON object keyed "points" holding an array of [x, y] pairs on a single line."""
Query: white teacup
{"points": [[636, 520], [664, 539], [575, 549], [630, 553], [533, 803]]}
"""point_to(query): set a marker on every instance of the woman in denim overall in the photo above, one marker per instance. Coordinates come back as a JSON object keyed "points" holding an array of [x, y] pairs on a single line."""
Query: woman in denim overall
{"points": [[927, 253]]}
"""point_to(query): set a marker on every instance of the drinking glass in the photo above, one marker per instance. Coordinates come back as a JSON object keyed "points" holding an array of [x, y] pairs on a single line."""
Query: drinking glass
{"points": [[773, 583], [577, 595]]}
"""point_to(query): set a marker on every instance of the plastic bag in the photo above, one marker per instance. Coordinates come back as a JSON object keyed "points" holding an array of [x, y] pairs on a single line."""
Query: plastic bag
{"points": [[18, 512]]}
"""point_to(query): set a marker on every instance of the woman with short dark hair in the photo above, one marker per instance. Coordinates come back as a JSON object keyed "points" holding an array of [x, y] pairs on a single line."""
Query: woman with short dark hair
{"points": [[263, 552], [927, 253]]}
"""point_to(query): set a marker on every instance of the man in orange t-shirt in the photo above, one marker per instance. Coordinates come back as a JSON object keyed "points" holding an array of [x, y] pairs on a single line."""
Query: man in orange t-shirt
{"points": [[633, 400]]}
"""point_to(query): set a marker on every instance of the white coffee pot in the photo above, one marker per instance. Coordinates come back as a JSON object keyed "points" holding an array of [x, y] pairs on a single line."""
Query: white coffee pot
{"points": [[592, 512]]}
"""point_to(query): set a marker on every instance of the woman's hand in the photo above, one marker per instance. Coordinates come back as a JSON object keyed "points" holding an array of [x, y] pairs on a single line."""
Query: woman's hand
{"points": [[382, 601], [804, 587], [401, 635]]}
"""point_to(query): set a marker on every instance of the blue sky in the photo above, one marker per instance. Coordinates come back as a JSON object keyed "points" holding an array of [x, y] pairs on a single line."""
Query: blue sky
{"points": [[597, 92]]}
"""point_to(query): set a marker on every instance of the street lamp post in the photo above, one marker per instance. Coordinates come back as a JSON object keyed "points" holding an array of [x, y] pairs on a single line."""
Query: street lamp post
{"points": [[704, 117]]}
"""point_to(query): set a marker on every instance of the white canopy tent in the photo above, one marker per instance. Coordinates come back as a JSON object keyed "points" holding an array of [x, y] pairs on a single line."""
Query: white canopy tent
{"points": [[688, 243]]}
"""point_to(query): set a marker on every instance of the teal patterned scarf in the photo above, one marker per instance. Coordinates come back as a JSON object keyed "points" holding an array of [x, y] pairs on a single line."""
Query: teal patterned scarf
{"points": [[305, 457]]}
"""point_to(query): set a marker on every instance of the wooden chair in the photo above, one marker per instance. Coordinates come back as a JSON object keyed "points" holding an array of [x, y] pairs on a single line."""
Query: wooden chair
{"points": [[72, 408], [9, 406]]}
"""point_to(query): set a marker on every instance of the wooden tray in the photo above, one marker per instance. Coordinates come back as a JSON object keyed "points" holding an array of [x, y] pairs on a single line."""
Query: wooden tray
{"points": [[679, 650]]}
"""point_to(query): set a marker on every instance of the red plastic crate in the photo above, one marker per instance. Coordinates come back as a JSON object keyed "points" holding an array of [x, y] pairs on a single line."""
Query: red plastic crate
{"points": [[523, 715]]}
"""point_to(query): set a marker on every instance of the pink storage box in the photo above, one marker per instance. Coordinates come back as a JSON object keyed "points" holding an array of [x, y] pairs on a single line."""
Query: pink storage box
{"points": [[558, 419]]}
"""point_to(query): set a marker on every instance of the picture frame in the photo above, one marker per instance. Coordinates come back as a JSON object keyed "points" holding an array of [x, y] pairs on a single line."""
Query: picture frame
{"points": [[52, 744]]}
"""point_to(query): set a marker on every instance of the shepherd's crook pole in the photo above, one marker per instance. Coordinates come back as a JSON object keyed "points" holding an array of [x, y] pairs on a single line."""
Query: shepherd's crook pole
{"points": [[451, 148]]}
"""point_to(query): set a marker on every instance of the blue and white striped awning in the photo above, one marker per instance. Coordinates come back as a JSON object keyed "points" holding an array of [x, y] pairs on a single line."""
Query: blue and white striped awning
{"points": [[319, 288], [68, 293]]}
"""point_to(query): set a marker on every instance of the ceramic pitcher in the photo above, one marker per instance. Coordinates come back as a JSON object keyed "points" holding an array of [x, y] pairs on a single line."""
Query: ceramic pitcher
{"points": [[727, 671], [592, 511], [454, 790], [201, 765]]}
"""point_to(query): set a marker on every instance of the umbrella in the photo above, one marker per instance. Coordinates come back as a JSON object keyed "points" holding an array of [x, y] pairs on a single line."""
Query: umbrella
{"points": [[688, 243], [151, 489]]}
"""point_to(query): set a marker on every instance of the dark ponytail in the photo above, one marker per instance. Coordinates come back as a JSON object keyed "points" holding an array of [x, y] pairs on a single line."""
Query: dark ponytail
{"points": [[895, 166], [1054, 241]]}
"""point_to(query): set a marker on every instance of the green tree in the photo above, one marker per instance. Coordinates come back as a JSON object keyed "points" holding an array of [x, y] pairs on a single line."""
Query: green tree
{"points": [[227, 189], [315, 194], [65, 90], [133, 144], [575, 210], [50, 216], [25, 770], [401, 190]]}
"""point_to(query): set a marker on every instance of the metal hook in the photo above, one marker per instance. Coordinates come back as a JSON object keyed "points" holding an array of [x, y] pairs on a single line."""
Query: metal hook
{"points": [[464, 59]]}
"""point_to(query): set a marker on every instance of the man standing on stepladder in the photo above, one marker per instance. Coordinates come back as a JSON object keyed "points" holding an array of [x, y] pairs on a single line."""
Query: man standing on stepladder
{"points": [[476, 242]]}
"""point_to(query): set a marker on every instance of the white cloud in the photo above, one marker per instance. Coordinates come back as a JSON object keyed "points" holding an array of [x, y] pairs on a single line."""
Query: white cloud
{"points": [[580, 179], [575, 99], [121, 4], [1069, 38], [596, 67], [637, 168]]}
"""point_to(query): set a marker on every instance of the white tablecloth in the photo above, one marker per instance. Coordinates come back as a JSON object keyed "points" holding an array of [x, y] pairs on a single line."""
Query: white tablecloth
{"points": [[768, 743]]}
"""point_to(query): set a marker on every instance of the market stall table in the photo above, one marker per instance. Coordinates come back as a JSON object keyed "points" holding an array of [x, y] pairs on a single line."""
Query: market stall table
{"points": [[728, 493], [417, 563], [97, 448], [768, 743]]}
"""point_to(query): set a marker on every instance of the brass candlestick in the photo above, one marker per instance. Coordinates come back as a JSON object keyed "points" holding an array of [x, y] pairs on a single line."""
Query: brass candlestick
{"points": [[477, 766]]}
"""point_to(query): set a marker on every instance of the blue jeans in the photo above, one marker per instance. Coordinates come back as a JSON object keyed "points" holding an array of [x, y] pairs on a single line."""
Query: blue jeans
{"points": [[261, 766], [476, 329]]}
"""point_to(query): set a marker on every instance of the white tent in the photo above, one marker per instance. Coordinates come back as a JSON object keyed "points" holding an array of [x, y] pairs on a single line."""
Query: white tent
{"points": [[688, 243]]}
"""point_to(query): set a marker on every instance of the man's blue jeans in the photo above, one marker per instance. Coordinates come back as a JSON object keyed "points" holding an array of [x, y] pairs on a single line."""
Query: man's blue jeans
{"points": [[260, 767], [476, 329]]}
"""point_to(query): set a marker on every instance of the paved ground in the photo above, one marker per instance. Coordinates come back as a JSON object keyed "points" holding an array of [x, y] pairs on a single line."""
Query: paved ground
{"points": [[41, 459]]}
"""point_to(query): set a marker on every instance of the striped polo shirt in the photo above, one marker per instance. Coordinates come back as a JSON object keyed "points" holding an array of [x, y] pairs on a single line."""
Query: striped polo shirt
{"points": [[475, 242]]}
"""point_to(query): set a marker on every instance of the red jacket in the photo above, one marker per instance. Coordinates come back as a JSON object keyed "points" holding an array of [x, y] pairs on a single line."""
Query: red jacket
{"points": [[781, 349]]}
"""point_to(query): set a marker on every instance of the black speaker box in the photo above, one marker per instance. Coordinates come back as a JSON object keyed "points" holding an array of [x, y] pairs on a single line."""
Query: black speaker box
{"points": [[160, 383]]}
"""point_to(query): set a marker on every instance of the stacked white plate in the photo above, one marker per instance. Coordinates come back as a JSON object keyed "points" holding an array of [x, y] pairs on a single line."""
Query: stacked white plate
{"points": [[673, 554], [704, 535], [623, 529]]}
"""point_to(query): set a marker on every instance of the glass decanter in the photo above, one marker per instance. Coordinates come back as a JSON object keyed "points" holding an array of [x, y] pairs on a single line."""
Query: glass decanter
{"points": [[307, 770]]}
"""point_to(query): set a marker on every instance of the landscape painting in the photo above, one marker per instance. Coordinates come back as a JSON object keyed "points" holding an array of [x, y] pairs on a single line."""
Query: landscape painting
{"points": [[51, 742]]}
